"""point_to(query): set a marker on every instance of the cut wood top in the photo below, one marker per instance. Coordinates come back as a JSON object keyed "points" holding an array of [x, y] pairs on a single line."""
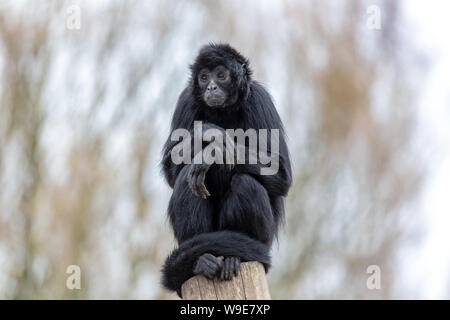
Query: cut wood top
{"points": [[249, 284]]}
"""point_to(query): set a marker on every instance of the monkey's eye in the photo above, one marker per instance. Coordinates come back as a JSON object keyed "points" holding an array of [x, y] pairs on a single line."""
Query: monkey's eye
{"points": [[221, 75], [203, 77]]}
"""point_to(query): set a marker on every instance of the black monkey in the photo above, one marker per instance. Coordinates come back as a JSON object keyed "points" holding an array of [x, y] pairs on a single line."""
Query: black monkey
{"points": [[223, 214]]}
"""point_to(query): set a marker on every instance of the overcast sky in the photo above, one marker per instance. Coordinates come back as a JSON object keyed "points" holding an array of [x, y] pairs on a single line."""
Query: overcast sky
{"points": [[428, 265]]}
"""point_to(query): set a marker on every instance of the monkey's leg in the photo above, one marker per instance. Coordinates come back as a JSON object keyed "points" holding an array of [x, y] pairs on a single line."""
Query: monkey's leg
{"points": [[246, 208], [189, 214]]}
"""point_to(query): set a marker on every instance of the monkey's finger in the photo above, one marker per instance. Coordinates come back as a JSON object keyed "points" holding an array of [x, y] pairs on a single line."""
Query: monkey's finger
{"points": [[209, 260], [199, 191], [193, 187], [219, 264], [213, 259], [212, 263], [237, 263], [209, 273], [191, 181], [231, 269], [189, 178], [201, 185], [205, 191], [201, 268], [196, 187], [222, 272], [227, 269], [198, 183], [209, 265]]}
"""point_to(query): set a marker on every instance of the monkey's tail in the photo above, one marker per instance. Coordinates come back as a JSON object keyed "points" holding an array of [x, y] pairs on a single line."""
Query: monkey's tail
{"points": [[180, 263]]}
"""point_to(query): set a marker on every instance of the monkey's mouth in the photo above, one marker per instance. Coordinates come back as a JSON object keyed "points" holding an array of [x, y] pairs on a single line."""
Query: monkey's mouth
{"points": [[215, 101]]}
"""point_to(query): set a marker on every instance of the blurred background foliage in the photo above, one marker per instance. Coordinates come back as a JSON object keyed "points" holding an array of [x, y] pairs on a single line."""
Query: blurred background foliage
{"points": [[84, 113]]}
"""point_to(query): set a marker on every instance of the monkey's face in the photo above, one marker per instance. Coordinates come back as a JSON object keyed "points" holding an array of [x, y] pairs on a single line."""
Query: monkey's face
{"points": [[215, 86]]}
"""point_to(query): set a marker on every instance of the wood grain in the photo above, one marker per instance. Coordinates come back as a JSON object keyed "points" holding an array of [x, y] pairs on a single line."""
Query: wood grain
{"points": [[249, 284]]}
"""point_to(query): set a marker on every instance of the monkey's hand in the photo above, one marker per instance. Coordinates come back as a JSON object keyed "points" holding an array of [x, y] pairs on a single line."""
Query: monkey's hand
{"points": [[196, 179], [231, 266], [228, 148], [208, 265]]}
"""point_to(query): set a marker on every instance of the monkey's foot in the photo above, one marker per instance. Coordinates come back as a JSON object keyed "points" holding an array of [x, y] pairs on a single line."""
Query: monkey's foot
{"points": [[208, 265], [230, 267]]}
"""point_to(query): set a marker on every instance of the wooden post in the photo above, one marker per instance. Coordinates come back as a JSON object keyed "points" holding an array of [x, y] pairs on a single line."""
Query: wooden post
{"points": [[249, 284]]}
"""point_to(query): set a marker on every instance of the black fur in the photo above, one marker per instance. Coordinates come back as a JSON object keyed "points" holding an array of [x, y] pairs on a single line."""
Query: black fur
{"points": [[180, 263], [242, 215]]}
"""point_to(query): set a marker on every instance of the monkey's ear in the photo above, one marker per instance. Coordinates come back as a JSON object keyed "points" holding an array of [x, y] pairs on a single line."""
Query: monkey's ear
{"points": [[244, 69]]}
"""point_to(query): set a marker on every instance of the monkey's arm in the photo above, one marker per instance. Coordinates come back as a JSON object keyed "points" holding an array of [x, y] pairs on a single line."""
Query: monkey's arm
{"points": [[261, 113], [279, 178], [199, 169], [183, 118]]}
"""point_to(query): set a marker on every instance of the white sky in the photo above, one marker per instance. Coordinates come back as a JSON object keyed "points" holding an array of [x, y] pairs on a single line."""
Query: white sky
{"points": [[428, 265]]}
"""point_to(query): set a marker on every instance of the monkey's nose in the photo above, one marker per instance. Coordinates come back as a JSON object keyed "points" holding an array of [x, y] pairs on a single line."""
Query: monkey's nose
{"points": [[212, 87]]}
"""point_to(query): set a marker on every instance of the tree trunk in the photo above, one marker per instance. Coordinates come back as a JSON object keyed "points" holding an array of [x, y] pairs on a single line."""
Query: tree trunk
{"points": [[249, 284]]}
